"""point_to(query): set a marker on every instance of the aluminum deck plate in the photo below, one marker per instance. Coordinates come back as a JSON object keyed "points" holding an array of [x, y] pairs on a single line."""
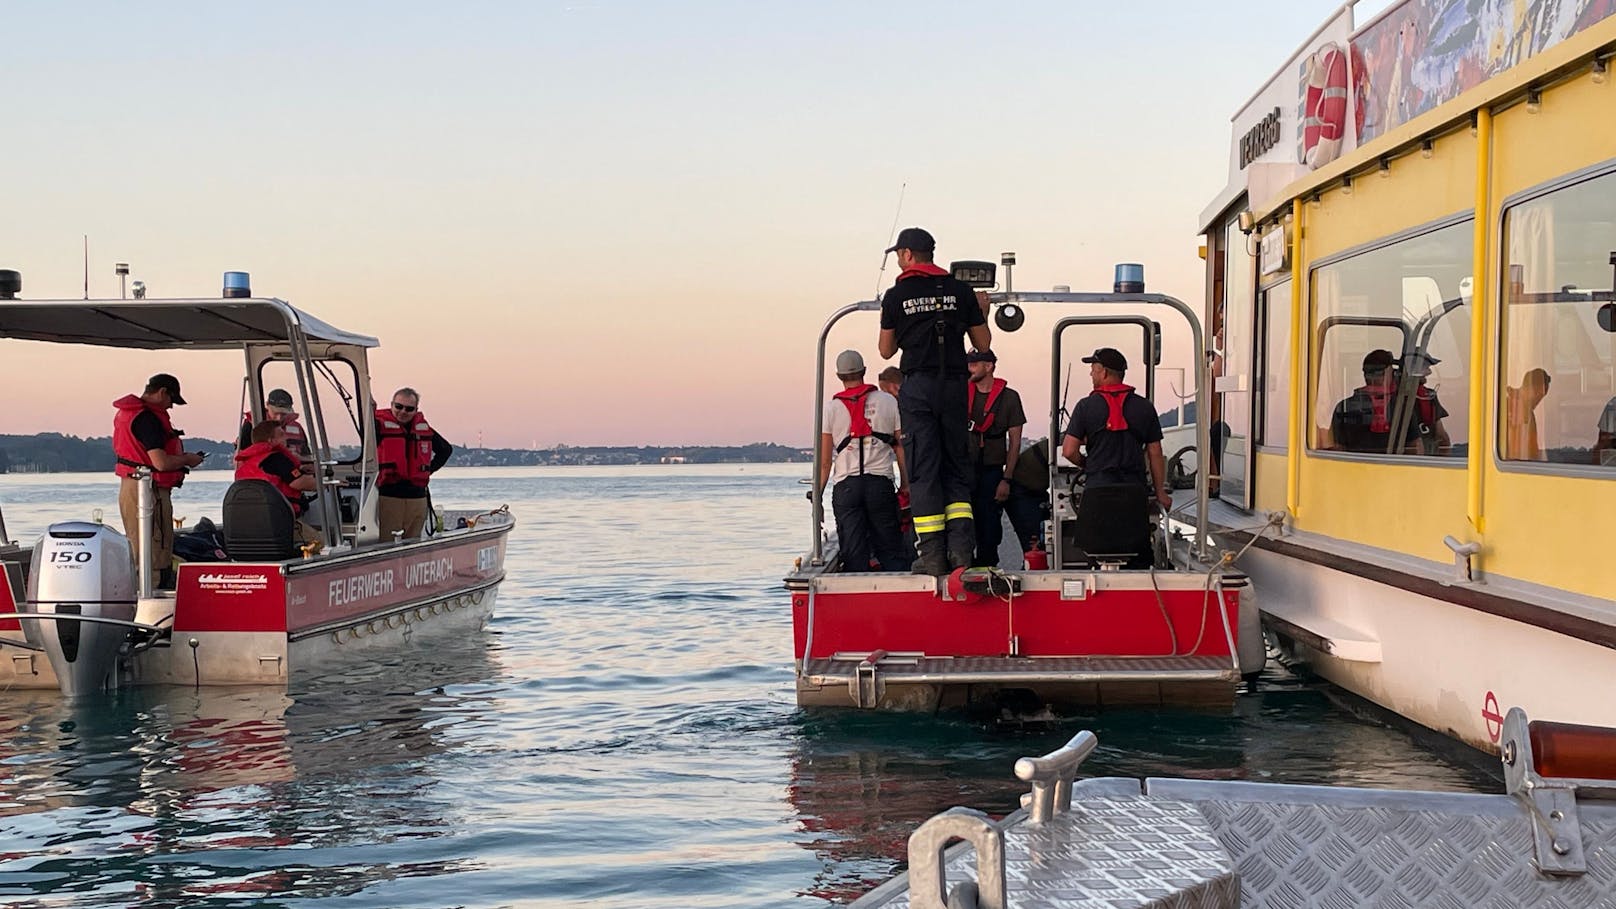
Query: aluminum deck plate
{"points": [[1289, 847]]}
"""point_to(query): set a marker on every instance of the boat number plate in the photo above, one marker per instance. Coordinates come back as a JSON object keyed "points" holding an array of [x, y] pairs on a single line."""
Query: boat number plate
{"points": [[1074, 589]]}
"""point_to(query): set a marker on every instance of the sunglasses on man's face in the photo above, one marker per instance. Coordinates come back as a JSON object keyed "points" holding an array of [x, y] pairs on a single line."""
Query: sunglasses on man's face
{"points": [[403, 408]]}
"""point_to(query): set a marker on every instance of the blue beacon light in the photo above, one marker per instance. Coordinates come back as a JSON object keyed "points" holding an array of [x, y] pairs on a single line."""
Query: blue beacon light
{"points": [[237, 284], [1130, 279]]}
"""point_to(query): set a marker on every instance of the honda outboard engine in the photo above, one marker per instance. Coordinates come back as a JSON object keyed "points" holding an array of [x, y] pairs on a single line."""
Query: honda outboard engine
{"points": [[81, 569]]}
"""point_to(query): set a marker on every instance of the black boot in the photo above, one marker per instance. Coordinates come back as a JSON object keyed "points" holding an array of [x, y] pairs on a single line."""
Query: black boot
{"points": [[961, 542], [932, 558]]}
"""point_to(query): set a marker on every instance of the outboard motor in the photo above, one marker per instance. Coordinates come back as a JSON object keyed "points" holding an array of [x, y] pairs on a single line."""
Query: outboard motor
{"points": [[84, 569]]}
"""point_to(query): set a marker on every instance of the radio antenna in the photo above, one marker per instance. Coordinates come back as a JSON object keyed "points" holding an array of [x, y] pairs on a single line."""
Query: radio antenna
{"points": [[891, 235], [86, 266]]}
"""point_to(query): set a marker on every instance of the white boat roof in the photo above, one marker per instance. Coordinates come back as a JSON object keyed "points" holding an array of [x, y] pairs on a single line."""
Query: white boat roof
{"points": [[191, 324]]}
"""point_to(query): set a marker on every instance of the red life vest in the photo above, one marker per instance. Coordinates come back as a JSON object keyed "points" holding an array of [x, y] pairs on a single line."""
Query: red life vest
{"points": [[297, 441], [987, 408], [1113, 396], [131, 453], [1378, 418], [250, 466], [859, 428], [403, 450]]}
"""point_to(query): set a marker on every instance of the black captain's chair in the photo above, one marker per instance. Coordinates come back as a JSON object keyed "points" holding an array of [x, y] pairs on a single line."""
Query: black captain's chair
{"points": [[1113, 525], [258, 523]]}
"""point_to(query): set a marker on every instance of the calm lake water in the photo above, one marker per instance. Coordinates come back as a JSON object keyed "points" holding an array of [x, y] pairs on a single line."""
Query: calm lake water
{"points": [[624, 735]]}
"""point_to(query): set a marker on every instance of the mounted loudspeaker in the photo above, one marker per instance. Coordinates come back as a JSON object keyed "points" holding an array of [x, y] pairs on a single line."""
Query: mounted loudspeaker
{"points": [[1009, 317]]}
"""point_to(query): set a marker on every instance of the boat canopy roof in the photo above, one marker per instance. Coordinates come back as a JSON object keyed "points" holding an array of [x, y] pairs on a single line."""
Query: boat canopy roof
{"points": [[187, 324]]}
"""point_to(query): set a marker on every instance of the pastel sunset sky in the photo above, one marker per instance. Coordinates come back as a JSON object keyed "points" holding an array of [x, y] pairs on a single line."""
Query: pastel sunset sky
{"points": [[599, 222]]}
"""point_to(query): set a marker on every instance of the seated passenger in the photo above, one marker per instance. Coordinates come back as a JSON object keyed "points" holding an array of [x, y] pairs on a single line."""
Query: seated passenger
{"points": [[1605, 448], [1363, 421], [1121, 433], [1521, 442], [268, 459]]}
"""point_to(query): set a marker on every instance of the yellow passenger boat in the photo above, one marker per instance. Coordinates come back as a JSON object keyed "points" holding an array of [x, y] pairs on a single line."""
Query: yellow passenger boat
{"points": [[1409, 284]]}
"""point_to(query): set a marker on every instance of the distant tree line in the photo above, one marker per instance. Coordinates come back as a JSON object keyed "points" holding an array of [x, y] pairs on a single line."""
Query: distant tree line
{"points": [[52, 452]]}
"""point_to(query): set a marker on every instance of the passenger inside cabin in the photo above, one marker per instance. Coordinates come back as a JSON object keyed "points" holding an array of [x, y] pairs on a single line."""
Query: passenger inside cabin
{"points": [[270, 459], [1521, 441], [1428, 409], [1363, 421], [1605, 447]]}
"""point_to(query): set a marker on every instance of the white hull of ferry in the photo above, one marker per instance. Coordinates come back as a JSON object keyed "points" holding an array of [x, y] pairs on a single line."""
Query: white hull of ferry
{"points": [[1451, 668]]}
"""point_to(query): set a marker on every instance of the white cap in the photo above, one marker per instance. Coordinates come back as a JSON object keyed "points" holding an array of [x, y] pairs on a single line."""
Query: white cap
{"points": [[849, 362]]}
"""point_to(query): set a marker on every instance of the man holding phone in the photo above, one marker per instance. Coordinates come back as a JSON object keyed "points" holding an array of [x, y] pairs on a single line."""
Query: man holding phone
{"points": [[143, 437]]}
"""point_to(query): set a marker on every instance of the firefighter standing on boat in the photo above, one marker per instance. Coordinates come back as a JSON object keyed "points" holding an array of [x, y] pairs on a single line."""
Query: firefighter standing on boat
{"points": [[927, 314]]}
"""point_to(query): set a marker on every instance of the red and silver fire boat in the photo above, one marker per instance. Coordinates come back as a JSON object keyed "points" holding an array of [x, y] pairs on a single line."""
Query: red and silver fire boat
{"points": [[1083, 631], [76, 613]]}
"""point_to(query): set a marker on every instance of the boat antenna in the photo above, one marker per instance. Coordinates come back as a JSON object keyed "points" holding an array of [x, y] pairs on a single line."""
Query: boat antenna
{"points": [[891, 235], [86, 266]]}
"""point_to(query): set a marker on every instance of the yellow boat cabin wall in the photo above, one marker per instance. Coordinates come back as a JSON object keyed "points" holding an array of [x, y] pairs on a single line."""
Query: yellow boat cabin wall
{"points": [[1411, 419]]}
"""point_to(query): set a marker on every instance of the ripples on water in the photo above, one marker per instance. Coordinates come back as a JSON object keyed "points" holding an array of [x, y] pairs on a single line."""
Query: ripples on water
{"points": [[623, 736]]}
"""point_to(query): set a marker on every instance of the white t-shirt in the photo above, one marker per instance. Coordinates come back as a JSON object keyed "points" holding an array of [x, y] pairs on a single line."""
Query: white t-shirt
{"points": [[881, 409]]}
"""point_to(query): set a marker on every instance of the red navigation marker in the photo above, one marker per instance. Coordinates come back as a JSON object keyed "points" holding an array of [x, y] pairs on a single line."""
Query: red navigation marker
{"points": [[1489, 712]]}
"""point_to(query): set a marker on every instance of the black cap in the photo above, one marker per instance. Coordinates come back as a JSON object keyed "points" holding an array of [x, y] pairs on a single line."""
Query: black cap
{"points": [[280, 397], [981, 356], [914, 239], [1110, 358], [168, 383]]}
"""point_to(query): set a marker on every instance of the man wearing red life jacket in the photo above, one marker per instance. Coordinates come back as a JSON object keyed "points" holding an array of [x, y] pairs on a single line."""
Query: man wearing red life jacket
{"points": [[861, 442], [996, 418], [278, 406], [926, 314], [1121, 436], [1362, 421], [143, 437], [269, 459], [408, 452]]}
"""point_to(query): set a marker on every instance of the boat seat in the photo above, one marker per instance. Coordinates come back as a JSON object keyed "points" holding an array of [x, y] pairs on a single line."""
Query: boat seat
{"points": [[1113, 525], [258, 523]]}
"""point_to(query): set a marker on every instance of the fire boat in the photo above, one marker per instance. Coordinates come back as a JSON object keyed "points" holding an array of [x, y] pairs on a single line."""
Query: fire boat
{"points": [[75, 611], [1082, 631]]}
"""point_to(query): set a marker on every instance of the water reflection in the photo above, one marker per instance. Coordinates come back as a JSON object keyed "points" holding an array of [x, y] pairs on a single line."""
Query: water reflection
{"points": [[171, 795]]}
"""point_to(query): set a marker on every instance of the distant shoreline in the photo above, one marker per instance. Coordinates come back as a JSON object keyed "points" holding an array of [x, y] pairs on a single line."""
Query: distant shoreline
{"points": [[50, 452]]}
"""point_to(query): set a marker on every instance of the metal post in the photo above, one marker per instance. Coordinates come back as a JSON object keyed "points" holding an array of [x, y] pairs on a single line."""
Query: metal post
{"points": [[148, 509]]}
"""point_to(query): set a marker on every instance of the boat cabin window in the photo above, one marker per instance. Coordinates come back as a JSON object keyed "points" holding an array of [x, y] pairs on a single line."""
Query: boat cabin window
{"points": [[1392, 324], [1236, 346], [1557, 403], [1274, 397], [335, 386]]}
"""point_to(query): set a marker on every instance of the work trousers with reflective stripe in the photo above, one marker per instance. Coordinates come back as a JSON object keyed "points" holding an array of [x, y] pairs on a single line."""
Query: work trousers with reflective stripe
{"points": [[933, 409]]}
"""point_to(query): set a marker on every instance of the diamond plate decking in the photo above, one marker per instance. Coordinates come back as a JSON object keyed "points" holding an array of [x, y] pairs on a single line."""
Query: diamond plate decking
{"points": [[1288, 847]]}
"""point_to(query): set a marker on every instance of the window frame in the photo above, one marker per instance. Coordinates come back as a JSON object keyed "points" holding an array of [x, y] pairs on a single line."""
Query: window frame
{"points": [[352, 367], [1260, 403], [1499, 342], [1315, 343]]}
